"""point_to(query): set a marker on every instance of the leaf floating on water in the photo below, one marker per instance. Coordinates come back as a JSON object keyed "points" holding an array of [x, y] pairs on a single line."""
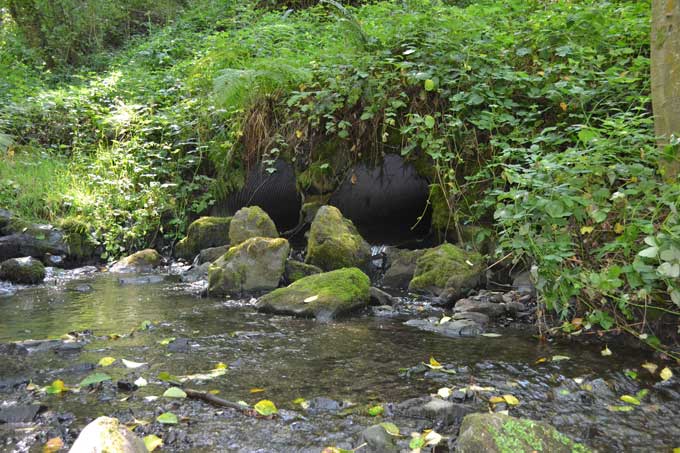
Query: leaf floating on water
{"points": [[651, 367], [257, 390], [106, 361], [444, 392], [221, 366], [375, 411], [53, 445], [265, 408], [631, 374], [141, 382], [133, 365], [219, 370], [152, 442], [491, 335], [391, 428], [94, 378], [496, 399], [559, 358], [56, 387], [476, 388], [417, 442], [666, 374], [630, 400], [606, 352], [620, 408], [445, 319], [541, 360], [174, 392], [167, 341], [145, 325], [150, 398], [167, 418], [434, 362], [214, 392]]}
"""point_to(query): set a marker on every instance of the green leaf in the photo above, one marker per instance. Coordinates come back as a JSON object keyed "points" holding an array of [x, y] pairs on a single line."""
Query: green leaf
{"points": [[145, 325], [416, 443], [167, 341], [265, 408], [167, 418], [174, 392], [151, 442], [429, 85], [56, 387], [94, 378], [375, 411], [670, 270], [429, 121], [649, 252], [620, 408], [630, 400], [106, 361]]}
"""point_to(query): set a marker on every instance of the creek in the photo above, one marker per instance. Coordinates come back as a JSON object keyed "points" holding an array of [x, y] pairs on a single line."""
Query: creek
{"points": [[362, 360]]}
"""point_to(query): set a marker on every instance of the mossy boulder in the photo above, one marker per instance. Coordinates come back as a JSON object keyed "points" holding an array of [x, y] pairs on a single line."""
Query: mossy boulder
{"points": [[323, 296], [20, 238], [211, 254], [499, 433], [447, 271], [142, 261], [401, 265], [26, 270], [334, 242], [79, 240], [251, 222], [107, 435], [203, 233], [295, 270], [251, 267]]}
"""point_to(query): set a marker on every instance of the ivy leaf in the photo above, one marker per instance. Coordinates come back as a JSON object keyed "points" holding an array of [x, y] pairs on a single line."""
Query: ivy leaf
{"points": [[649, 252], [265, 408], [429, 85], [375, 411], [390, 428], [670, 270], [429, 121], [56, 387], [167, 418]]}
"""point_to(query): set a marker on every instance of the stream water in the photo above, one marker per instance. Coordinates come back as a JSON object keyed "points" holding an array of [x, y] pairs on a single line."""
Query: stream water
{"points": [[360, 360]]}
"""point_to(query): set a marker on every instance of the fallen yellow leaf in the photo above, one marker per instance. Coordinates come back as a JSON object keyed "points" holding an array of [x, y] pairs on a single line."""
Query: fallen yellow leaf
{"points": [[651, 367], [433, 362], [618, 228], [53, 445], [606, 352], [511, 400], [564, 106], [666, 374], [256, 390], [586, 229]]}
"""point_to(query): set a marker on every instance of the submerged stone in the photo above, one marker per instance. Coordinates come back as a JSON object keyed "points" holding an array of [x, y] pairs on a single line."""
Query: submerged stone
{"points": [[334, 242], [203, 233], [447, 271], [26, 270], [107, 435], [322, 296], [253, 266], [251, 222], [142, 261], [499, 433]]}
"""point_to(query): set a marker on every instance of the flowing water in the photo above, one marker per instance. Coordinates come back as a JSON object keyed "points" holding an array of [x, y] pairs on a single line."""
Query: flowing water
{"points": [[360, 360]]}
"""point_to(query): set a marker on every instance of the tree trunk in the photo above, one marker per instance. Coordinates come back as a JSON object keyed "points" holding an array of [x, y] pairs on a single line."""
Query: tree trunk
{"points": [[665, 47]]}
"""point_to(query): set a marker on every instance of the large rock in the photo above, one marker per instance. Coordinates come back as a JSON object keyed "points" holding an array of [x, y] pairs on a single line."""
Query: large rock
{"points": [[401, 265], [203, 233], [454, 328], [26, 270], [20, 238], [441, 412], [447, 271], [211, 254], [143, 261], [334, 242], [107, 435], [322, 296], [498, 433], [251, 222], [251, 267]]}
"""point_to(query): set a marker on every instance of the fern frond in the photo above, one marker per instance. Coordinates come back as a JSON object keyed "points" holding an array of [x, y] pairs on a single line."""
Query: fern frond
{"points": [[350, 20]]}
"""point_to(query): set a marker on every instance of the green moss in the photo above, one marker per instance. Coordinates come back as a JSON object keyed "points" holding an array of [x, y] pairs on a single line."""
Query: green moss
{"points": [[323, 296], [78, 238], [334, 242], [203, 233], [295, 270], [143, 258], [22, 270], [446, 266]]}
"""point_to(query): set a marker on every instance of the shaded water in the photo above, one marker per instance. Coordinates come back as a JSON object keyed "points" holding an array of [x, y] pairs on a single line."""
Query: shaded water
{"points": [[358, 360]]}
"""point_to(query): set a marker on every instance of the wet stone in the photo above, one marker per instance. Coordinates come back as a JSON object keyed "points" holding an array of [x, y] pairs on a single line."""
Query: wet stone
{"points": [[376, 440], [20, 414], [459, 328], [179, 345], [380, 297], [441, 412], [323, 405]]}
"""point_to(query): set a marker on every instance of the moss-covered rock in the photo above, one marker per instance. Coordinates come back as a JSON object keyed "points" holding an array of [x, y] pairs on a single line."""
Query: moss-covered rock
{"points": [[251, 222], [334, 242], [142, 261], [447, 271], [401, 265], [211, 254], [251, 267], [498, 433], [322, 296], [79, 240], [107, 435], [203, 233], [24, 270], [295, 270]]}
